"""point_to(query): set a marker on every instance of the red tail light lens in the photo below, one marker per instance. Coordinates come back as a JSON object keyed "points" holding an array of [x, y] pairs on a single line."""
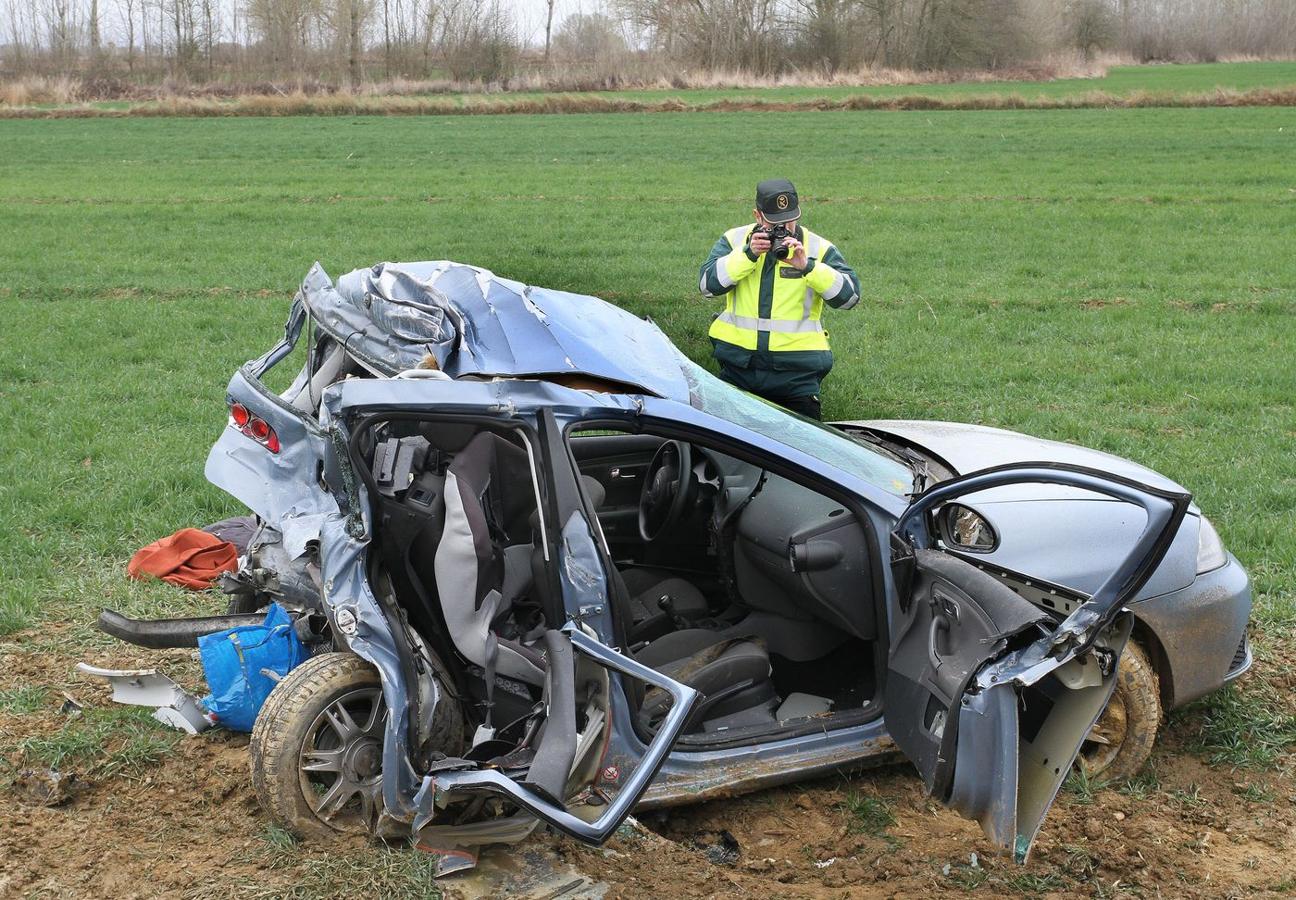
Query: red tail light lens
{"points": [[259, 429], [254, 427]]}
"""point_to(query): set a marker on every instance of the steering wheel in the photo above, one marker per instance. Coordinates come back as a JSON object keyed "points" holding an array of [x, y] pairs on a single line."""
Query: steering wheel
{"points": [[668, 489]]}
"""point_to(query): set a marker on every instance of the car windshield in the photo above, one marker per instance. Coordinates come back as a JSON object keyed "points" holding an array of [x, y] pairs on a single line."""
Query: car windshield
{"points": [[715, 397]]}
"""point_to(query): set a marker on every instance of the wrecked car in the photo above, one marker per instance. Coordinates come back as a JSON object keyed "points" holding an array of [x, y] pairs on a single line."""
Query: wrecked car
{"points": [[551, 570]]}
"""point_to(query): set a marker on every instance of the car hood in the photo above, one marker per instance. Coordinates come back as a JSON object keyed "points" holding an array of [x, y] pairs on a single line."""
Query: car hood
{"points": [[1052, 532], [967, 448], [393, 315]]}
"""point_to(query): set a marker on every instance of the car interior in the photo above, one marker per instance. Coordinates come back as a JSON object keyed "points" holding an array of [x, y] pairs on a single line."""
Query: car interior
{"points": [[743, 583], [711, 547]]}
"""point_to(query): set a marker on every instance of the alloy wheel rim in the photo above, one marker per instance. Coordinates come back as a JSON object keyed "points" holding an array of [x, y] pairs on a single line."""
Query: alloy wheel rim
{"points": [[341, 761]]}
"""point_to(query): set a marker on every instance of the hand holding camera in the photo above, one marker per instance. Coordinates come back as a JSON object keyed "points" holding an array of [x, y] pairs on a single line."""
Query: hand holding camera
{"points": [[777, 239], [776, 235], [762, 240]]}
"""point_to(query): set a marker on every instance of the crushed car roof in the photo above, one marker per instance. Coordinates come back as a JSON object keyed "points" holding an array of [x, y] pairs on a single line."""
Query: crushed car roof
{"points": [[392, 315]]}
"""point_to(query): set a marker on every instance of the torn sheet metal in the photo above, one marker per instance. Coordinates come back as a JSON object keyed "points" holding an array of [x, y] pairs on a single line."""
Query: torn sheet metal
{"points": [[148, 687], [392, 315], [535, 870]]}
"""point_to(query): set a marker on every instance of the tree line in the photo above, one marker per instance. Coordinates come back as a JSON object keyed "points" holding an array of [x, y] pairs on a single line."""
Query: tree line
{"points": [[341, 42]]}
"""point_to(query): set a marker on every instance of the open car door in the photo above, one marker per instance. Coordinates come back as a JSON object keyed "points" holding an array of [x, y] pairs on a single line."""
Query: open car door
{"points": [[988, 695]]}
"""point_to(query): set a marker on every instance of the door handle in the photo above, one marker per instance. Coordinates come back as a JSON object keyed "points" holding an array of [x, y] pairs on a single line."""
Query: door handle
{"points": [[940, 627]]}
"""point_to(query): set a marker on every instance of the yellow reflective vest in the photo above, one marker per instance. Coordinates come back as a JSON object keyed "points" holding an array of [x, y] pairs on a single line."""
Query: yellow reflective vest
{"points": [[771, 307]]}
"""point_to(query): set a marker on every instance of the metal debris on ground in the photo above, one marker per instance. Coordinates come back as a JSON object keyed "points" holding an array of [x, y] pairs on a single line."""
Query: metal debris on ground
{"points": [[530, 871], [174, 706], [72, 707]]}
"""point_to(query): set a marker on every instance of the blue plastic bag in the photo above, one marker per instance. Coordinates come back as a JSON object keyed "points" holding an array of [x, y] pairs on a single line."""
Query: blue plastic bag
{"points": [[233, 659]]}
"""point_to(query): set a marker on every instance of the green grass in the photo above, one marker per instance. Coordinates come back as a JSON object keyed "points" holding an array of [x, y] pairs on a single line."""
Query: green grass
{"points": [[327, 873], [1121, 279], [115, 740], [1082, 787], [865, 814], [1143, 785], [1245, 727], [24, 700]]}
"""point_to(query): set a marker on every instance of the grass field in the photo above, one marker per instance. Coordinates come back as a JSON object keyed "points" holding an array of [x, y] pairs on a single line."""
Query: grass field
{"points": [[1122, 279]]}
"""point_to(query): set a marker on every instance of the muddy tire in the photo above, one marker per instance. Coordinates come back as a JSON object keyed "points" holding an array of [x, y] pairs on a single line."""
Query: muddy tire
{"points": [[1121, 740], [317, 747]]}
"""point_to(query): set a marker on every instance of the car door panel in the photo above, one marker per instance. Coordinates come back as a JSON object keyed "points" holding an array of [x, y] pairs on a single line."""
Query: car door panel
{"points": [[958, 619], [618, 462], [989, 696], [1016, 744]]}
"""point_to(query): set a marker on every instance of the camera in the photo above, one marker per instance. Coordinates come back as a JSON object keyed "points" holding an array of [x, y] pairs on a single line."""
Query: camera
{"points": [[777, 234]]}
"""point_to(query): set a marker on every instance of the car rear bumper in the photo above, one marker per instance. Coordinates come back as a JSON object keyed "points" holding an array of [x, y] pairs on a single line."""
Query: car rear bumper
{"points": [[1201, 632]]}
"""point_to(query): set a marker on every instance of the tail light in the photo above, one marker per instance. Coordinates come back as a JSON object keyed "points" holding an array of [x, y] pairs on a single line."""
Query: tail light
{"points": [[254, 427]]}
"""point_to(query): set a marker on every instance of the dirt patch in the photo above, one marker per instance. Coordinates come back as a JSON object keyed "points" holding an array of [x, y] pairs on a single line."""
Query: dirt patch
{"points": [[1198, 837], [189, 825]]}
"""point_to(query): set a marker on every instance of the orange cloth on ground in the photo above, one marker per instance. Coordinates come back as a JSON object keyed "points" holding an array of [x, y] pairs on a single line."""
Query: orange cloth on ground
{"points": [[190, 558]]}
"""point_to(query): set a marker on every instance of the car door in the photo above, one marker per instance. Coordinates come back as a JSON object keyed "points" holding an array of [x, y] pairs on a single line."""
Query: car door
{"points": [[989, 696]]}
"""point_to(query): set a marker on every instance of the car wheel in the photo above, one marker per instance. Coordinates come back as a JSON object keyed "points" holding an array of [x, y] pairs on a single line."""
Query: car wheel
{"points": [[1122, 738], [317, 746]]}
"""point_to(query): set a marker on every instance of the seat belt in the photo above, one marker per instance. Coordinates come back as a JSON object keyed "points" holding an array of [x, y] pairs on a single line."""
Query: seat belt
{"points": [[486, 730]]}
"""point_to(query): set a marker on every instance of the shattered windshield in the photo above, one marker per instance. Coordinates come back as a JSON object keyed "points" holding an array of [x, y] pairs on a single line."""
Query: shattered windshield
{"points": [[711, 395]]}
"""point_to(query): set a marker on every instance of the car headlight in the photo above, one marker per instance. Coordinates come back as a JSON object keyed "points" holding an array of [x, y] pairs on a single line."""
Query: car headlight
{"points": [[1210, 549]]}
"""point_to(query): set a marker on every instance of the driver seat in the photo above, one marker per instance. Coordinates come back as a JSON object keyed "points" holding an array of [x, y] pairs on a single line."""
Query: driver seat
{"points": [[733, 675]]}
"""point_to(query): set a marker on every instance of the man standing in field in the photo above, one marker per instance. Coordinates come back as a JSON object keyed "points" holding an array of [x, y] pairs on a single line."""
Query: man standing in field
{"points": [[776, 277]]}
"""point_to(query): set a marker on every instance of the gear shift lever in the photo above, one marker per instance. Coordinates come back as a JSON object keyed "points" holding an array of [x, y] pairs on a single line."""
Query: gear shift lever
{"points": [[667, 605]]}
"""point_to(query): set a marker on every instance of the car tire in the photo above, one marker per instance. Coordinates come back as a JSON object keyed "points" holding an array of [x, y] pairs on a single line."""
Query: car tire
{"points": [[316, 749], [1121, 740]]}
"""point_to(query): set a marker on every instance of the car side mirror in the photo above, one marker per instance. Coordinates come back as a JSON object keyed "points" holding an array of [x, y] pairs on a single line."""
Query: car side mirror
{"points": [[963, 528]]}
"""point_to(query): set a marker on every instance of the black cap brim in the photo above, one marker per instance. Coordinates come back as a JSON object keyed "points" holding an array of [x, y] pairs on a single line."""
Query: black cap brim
{"points": [[786, 215]]}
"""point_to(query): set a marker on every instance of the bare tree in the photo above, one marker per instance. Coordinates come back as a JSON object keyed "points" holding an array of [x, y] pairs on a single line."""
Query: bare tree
{"points": [[92, 26], [549, 4], [126, 10], [60, 24], [284, 27], [1091, 26], [353, 42]]}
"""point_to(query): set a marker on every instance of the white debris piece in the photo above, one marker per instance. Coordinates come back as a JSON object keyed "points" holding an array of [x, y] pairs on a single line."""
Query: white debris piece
{"points": [[147, 687]]}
